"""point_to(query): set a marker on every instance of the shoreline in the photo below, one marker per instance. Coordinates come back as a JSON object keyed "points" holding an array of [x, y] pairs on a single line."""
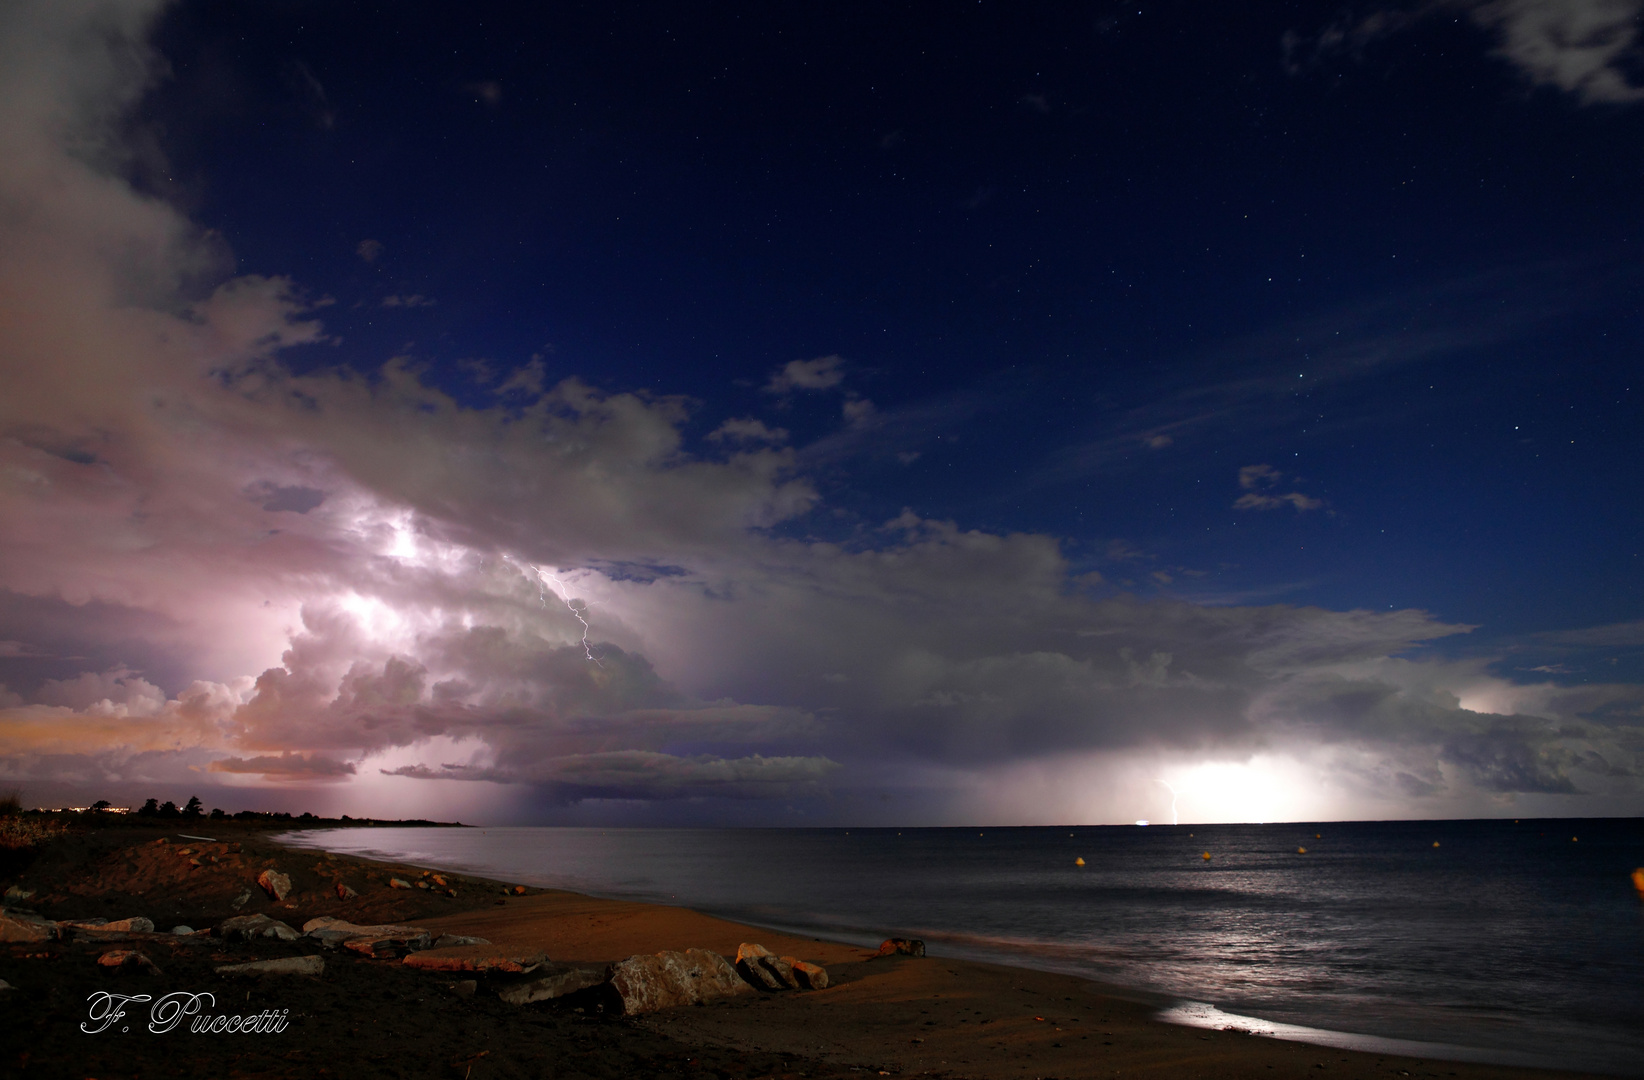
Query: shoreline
{"points": [[902, 1015], [1163, 1008]]}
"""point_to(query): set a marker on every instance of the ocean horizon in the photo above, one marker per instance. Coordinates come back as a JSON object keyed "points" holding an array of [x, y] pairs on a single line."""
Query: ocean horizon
{"points": [[1509, 942]]}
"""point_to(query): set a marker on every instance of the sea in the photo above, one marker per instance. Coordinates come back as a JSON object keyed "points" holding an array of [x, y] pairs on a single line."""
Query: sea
{"points": [[1514, 942]]}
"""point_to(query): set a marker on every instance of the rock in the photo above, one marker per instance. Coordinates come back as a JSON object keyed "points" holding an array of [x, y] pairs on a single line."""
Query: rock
{"points": [[25, 926], [252, 927], [397, 941], [565, 980], [440, 881], [17, 893], [810, 976], [763, 969], [274, 883], [902, 946], [326, 922], [134, 925], [422, 884], [668, 979], [344, 892], [380, 940], [519, 890], [463, 989], [512, 962], [449, 941], [285, 965], [4, 986], [241, 901], [182, 931], [123, 958], [398, 883]]}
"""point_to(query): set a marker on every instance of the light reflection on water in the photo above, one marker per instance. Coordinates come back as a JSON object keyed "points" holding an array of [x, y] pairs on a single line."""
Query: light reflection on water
{"points": [[1508, 937]]}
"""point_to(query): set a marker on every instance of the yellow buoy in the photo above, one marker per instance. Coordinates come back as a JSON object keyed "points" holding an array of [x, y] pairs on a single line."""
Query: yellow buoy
{"points": [[1078, 862], [1301, 851], [1435, 843], [1207, 856], [1318, 836], [1573, 840]]}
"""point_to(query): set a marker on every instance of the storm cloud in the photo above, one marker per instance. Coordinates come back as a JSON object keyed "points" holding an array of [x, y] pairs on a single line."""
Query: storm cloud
{"points": [[219, 567]]}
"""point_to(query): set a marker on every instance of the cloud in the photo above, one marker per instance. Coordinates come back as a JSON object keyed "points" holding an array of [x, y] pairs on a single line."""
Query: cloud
{"points": [[275, 498], [639, 774], [415, 300], [858, 412], [369, 250], [1582, 47], [822, 373], [1257, 480], [1579, 46], [286, 766], [747, 430]]}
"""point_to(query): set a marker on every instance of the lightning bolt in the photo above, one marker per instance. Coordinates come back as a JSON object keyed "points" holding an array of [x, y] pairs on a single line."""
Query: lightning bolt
{"points": [[542, 577], [1174, 794], [573, 609]]}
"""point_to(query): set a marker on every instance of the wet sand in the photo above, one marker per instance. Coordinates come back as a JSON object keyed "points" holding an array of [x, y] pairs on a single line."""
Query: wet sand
{"points": [[366, 1017]]}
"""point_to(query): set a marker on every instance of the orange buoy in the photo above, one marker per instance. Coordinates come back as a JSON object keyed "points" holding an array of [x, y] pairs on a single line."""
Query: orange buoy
{"points": [[1435, 843], [1207, 856], [1301, 851], [1078, 862], [1638, 881]]}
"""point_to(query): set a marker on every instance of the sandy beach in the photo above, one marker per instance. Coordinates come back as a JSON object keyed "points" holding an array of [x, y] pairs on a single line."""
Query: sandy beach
{"points": [[379, 1016]]}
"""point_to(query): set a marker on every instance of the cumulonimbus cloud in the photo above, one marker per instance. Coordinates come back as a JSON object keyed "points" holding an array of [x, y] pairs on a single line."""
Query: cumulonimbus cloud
{"points": [[320, 578]]}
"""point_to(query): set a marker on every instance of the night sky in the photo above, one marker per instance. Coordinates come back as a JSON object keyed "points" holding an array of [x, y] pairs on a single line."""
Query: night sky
{"points": [[879, 413]]}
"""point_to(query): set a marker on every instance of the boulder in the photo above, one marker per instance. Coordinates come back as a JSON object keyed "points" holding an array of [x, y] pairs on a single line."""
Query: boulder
{"points": [[398, 883], [285, 965], [16, 894], [252, 927], [344, 892], [124, 958], [380, 940], [902, 947], [25, 926], [241, 901], [463, 989], [810, 976], [182, 931], [563, 981], [513, 962], [134, 925], [274, 883], [763, 968], [669, 979]]}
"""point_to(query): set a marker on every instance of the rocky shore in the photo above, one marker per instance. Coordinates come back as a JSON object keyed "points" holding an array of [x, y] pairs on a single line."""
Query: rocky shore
{"points": [[135, 952]]}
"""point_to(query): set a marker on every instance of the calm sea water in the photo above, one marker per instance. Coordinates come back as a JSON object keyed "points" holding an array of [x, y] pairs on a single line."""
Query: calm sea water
{"points": [[1513, 942]]}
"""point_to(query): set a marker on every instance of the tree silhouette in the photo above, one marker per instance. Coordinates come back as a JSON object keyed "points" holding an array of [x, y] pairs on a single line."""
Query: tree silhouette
{"points": [[168, 809], [193, 807], [150, 808]]}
